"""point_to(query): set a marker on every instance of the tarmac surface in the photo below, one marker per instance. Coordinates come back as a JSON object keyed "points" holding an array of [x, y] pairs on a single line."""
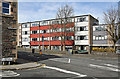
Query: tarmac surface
{"points": [[66, 67]]}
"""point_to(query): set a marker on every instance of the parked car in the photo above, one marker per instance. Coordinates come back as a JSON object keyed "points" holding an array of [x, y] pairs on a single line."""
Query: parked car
{"points": [[79, 52]]}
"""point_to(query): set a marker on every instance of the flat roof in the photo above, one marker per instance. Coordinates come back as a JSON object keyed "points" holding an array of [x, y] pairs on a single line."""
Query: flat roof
{"points": [[58, 18]]}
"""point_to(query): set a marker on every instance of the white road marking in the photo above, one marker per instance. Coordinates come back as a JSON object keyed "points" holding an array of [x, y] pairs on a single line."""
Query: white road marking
{"points": [[65, 71], [8, 74], [111, 65], [104, 67], [69, 60], [96, 60]]}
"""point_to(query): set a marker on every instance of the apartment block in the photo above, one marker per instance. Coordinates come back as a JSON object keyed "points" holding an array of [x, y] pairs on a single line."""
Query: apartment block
{"points": [[25, 35], [8, 15], [101, 37], [78, 33], [84, 31]]}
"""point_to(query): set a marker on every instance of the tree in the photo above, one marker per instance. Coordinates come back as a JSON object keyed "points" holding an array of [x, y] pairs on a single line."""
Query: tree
{"points": [[63, 16], [111, 19]]}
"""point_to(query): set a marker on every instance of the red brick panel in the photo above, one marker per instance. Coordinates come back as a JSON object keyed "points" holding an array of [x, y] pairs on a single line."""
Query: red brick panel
{"points": [[60, 34], [69, 42], [34, 35], [59, 26], [56, 42], [44, 34], [45, 43], [34, 28], [44, 27], [34, 42]]}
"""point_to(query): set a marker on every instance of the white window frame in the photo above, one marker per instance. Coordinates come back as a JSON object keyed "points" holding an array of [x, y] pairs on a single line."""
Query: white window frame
{"points": [[7, 8]]}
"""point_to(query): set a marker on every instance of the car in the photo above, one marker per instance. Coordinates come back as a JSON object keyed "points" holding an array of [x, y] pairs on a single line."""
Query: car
{"points": [[79, 52]]}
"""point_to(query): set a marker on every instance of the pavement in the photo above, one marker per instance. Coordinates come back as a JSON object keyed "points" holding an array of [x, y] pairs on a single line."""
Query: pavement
{"points": [[21, 66]]}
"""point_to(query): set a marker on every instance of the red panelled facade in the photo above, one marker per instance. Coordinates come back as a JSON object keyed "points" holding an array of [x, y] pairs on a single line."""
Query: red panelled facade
{"points": [[50, 42]]}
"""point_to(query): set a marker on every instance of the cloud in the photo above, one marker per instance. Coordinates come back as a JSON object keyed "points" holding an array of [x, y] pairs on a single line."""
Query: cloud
{"points": [[68, 0], [36, 11]]}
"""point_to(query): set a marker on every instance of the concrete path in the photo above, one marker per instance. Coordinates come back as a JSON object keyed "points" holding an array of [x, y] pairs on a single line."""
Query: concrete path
{"points": [[21, 66]]}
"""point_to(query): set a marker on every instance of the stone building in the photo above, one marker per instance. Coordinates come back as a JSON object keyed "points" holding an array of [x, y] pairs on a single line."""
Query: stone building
{"points": [[8, 23]]}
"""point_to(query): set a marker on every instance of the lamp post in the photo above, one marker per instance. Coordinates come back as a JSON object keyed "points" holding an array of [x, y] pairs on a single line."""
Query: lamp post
{"points": [[43, 42]]}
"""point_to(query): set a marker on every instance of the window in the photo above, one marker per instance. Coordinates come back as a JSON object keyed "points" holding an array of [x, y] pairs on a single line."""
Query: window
{"points": [[55, 22], [105, 37], [25, 32], [34, 32], [35, 24], [99, 37], [68, 29], [68, 38], [25, 39], [44, 31], [55, 30], [100, 28], [55, 38], [44, 23], [81, 19], [83, 28], [70, 20], [45, 38], [34, 39], [6, 7], [25, 25], [78, 28], [82, 37], [93, 37]]}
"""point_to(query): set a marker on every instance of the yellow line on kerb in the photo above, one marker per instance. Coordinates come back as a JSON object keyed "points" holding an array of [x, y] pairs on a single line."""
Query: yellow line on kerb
{"points": [[43, 65]]}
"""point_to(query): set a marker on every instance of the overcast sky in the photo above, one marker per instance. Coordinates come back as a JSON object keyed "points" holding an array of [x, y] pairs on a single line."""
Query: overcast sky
{"points": [[36, 11]]}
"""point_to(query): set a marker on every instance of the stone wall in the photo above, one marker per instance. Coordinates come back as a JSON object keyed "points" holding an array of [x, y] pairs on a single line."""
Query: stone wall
{"points": [[9, 32]]}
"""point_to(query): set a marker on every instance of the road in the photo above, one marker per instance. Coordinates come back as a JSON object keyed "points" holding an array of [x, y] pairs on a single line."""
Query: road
{"points": [[69, 67]]}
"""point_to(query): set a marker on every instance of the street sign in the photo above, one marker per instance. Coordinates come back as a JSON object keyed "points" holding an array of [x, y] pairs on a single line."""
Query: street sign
{"points": [[7, 59]]}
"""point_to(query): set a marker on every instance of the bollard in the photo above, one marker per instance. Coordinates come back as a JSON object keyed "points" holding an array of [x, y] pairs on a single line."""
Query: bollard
{"points": [[33, 51], [9, 63], [40, 52], [3, 63]]}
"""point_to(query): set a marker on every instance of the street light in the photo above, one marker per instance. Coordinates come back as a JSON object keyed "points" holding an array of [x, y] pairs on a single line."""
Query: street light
{"points": [[43, 42]]}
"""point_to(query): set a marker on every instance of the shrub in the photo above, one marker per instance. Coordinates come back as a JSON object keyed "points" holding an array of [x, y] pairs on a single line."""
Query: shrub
{"points": [[103, 49]]}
